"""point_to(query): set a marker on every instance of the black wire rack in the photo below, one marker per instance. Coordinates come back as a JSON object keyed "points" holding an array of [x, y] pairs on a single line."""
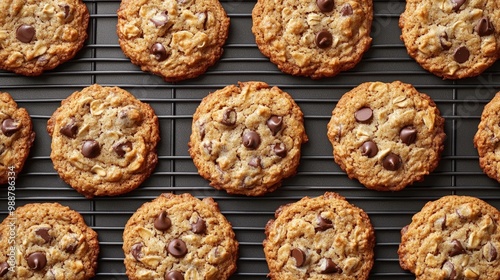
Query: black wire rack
{"points": [[102, 61]]}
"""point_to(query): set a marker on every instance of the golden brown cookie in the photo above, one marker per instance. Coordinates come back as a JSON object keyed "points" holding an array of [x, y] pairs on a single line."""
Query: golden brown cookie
{"points": [[176, 40], [324, 237], [454, 237], [314, 38], [104, 141], [47, 241], [247, 138], [452, 39], [386, 135], [179, 237], [39, 35], [16, 138]]}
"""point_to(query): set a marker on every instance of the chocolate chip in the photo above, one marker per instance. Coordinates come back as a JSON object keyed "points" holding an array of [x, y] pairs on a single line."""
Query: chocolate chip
{"points": [[456, 248], [71, 248], [25, 33], [364, 114], [174, 275], [392, 162], [327, 266], [199, 227], [490, 252], [457, 4], [484, 27], [122, 148], [162, 222], [280, 150], [160, 20], [369, 149], [408, 135], [324, 39], [37, 260], [441, 222], [10, 126], [70, 129], [325, 5], [449, 269], [254, 162], [275, 123], [177, 248], [346, 10], [444, 41], [44, 234], [91, 149], [159, 51], [251, 140], [299, 256], [4, 268], [461, 54], [136, 251], [323, 223], [229, 117], [68, 15]]}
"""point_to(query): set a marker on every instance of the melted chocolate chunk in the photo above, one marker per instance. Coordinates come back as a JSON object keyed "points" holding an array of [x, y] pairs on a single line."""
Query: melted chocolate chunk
{"points": [[323, 223], [68, 15], [490, 252], [91, 149], [160, 20], [71, 248], [456, 248], [229, 117], [325, 5], [392, 162], [70, 129], [136, 251], [461, 54], [369, 149], [346, 10], [328, 266], [177, 248], [44, 234], [275, 123], [251, 140], [199, 227], [174, 275], [37, 260], [449, 269], [159, 51], [25, 33], [299, 256], [444, 41], [324, 39], [364, 114], [4, 268], [10, 126], [408, 135], [122, 148], [254, 162], [484, 27], [162, 222], [457, 4], [280, 150]]}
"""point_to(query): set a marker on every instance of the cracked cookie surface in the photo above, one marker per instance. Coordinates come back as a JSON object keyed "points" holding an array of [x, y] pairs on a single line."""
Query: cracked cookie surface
{"points": [[246, 138], [16, 137], [40, 35], [452, 39], [386, 135], [314, 38], [179, 237], [103, 141], [324, 237], [454, 237], [177, 40], [51, 241], [486, 139]]}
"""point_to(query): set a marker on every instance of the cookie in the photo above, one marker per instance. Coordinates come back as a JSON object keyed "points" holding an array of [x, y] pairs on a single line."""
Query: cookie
{"points": [[324, 237], [103, 141], [386, 135], [452, 39], [16, 138], [314, 38], [247, 138], [179, 237], [454, 237], [36, 36], [176, 40], [486, 139], [47, 241]]}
